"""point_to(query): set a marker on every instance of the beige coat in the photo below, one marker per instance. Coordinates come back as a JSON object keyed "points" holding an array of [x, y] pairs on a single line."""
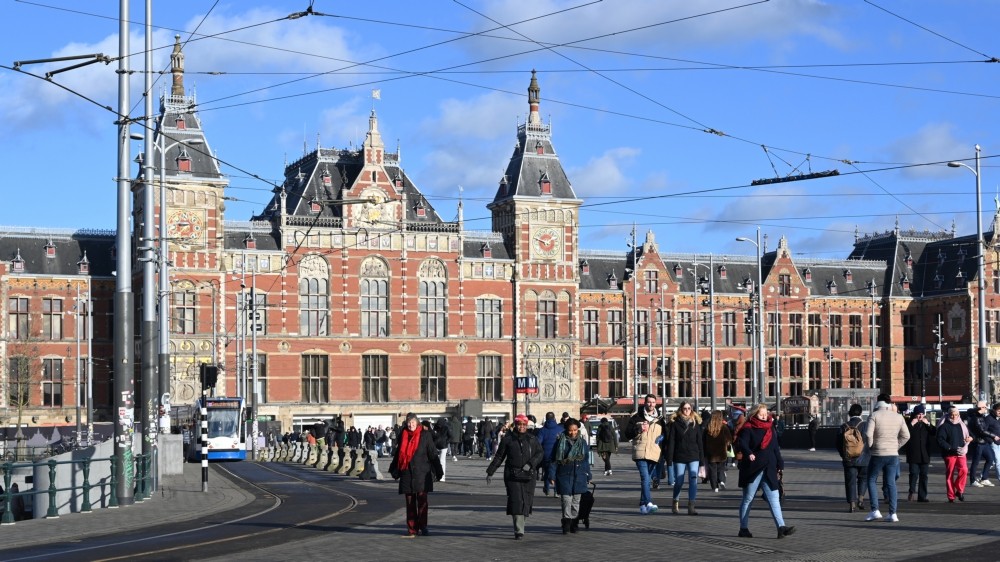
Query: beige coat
{"points": [[886, 432]]}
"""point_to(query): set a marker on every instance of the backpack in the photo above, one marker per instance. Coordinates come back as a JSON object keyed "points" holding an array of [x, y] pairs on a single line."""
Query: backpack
{"points": [[854, 442]]}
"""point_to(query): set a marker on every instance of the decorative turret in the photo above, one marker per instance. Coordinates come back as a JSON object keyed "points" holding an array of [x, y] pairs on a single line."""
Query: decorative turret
{"points": [[534, 97], [177, 68], [373, 147]]}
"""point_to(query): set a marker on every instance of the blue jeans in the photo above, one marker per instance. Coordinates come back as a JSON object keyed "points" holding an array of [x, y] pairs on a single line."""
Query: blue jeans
{"points": [[984, 451], [996, 456], [691, 469], [549, 470], [889, 467], [769, 494], [646, 470]]}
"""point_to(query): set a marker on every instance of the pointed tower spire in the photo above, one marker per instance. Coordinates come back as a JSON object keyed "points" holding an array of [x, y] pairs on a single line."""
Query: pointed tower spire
{"points": [[177, 68], [534, 97], [373, 145]]}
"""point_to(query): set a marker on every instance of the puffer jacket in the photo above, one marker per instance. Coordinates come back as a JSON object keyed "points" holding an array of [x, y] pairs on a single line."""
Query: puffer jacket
{"points": [[886, 432], [645, 444]]}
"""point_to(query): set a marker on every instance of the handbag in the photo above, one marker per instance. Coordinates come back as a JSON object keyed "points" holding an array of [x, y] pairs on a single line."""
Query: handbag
{"points": [[702, 473], [730, 453], [521, 475]]}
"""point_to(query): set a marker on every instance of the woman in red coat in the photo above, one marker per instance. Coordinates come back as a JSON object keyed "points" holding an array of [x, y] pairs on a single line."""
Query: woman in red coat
{"points": [[416, 465]]}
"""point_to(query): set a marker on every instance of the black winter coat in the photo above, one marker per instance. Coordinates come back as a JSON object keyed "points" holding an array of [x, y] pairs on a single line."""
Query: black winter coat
{"points": [[424, 467], [684, 441], [442, 433], [768, 460], [518, 450], [918, 447]]}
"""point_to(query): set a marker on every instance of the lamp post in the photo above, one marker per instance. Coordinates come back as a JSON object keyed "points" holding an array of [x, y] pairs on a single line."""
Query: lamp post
{"points": [[164, 306], [984, 378], [699, 289], [873, 333], [760, 313]]}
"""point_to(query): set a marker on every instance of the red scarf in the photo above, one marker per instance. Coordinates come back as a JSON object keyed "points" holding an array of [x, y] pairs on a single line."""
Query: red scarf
{"points": [[408, 447], [767, 425]]}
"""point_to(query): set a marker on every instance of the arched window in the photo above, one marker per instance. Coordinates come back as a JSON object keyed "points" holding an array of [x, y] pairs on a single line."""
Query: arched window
{"points": [[313, 309], [374, 298], [432, 301]]}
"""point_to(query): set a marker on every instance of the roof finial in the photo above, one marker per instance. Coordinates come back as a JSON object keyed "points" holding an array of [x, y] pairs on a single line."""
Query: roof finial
{"points": [[534, 97], [177, 68]]}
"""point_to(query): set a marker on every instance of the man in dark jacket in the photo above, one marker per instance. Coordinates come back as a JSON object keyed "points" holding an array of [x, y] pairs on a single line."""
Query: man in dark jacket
{"points": [[982, 444], [486, 432], [547, 438], [855, 468], [469, 437], [992, 422], [918, 454], [456, 436]]}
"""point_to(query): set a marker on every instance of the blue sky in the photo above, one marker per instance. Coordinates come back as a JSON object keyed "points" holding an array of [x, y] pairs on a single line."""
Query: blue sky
{"points": [[872, 89]]}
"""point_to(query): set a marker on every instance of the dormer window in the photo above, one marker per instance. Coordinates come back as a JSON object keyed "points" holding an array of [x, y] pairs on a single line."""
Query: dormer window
{"points": [[678, 271], [904, 282], [398, 181], [832, 286], [848, 275], [585, 267], [909, 260], [941, 257], [486, 251], [183, 161], [808, 274], [960, 279], [938, 281], [180, 123], [421, 210], [544, 185], [83, 266], [327, 180], [250, 243], [50, 249], [539, 148], [18, 262], [612, 281], [722, 272], [314, 206]]}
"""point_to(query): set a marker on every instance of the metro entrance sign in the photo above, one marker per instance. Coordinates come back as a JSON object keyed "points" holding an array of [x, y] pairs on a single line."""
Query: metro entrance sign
{"points": [[526, 385]]}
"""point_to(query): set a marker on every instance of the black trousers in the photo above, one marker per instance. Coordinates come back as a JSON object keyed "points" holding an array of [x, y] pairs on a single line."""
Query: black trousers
{"points": [[918, 480], [855, 482]]}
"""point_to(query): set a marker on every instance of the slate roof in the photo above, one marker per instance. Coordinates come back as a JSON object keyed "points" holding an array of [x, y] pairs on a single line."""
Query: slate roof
{"points": [[903, 252], [179, 122], [70, 247], [236, 233], [607, 270], [473, 242]]}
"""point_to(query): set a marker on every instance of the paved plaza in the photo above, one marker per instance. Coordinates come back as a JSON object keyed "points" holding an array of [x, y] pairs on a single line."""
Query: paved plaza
{"points": [[467, 520]]}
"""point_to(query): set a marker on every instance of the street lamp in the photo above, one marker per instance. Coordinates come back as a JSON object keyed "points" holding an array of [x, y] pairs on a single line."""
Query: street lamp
{"points": [[984, 379], [699, 289], [760, 312], [164, 353]]}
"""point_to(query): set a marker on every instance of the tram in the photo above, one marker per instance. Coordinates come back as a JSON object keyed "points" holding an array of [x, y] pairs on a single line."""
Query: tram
{"points": [[226, 430]]}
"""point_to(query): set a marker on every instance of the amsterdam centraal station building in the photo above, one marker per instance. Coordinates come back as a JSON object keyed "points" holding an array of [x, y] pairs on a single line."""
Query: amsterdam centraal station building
{"points": [[366, 304]]}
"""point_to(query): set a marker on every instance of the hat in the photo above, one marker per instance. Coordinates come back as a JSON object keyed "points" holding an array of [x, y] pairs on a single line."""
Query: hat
{"points": [[521, 418], [919, 409]]}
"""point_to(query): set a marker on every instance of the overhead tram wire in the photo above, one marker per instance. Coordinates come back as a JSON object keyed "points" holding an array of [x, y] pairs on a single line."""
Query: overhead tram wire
{"points": [[406, 52], [931, 31], [898, 200]]}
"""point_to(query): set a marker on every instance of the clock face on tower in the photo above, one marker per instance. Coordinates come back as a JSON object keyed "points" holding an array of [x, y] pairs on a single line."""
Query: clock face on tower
{"points": [[185, 226], [545, 243]]}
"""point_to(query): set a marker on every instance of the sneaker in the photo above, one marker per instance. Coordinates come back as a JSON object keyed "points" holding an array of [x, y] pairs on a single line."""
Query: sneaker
{"points": [[722, 485], [977, 484], [454, 459], [813, 450], [442, 478], [875, 514], [891, 518], [611, 473], [651, 507], [987, 483], [716, 490], [643, 510]]}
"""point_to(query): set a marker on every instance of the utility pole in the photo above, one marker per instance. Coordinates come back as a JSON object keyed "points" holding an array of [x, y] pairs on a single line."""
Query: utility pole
{"points": [[938, 349], [713, 392], [123, 367], [635, 324]]}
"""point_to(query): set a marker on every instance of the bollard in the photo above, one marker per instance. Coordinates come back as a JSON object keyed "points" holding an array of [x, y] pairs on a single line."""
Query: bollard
{"points": [[53, 513], [86, 507]]}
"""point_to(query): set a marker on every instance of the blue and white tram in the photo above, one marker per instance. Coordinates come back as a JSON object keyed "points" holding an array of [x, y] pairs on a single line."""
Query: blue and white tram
{"points": [[226, 430]]}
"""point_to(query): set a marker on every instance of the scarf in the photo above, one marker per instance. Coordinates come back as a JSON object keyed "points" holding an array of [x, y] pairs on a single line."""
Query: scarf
{"points": [[650, 417], [571, 450], [964, 449], [767, 425], [408, 447]]}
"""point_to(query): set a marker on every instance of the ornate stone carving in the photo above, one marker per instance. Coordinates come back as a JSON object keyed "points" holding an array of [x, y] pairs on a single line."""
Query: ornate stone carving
{"points": [[404, 347], [283, 346], [462, 348], [345, 347], [374, 267], [432, 268], [313, 267]]}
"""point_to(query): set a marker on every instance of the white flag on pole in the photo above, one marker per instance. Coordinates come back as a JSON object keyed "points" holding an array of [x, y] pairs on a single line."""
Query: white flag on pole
{"points": [[376, 94]]}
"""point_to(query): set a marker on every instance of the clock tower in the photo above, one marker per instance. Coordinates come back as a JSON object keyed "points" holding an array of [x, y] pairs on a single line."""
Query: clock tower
{"points": [[537, 213]]}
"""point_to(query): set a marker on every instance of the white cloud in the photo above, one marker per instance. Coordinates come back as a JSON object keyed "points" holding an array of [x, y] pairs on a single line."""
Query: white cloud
{"points": [[489, 116], [934, 142], [606, 175]]}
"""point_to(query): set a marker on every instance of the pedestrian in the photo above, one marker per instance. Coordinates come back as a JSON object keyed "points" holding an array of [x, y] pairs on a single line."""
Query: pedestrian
{"points": [[487, 433], [571, 457], [855, 456], [607, 444], [760, 467], [442, 437], [469, 437], [415, 464], [953, 439], [983, 438], [813, 430], [456, 437], [717, 441], [645, 429], [547, 438], [521, 454], [685, 450], [918, 454], [993, 421], [886, 433]]}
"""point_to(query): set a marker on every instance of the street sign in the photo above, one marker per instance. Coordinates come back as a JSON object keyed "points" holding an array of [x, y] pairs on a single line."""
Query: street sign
{"points": [[526, 385]]}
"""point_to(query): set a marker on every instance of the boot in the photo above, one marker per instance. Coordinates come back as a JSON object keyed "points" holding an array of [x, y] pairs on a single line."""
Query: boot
{"points": [[574, 524], [565, 525], [676, 507], [691, 510]]}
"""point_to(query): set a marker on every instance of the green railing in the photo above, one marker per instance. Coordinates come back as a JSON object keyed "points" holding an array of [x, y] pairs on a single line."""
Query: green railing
{"points": [[142, 490]]}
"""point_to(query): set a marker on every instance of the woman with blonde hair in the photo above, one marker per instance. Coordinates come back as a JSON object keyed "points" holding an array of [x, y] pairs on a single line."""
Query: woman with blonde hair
{"points": [[757, 440], [685, 450], [717, 440]]}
